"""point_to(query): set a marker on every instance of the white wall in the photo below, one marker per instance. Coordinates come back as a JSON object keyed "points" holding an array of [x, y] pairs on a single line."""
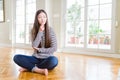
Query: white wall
{"points": [[118, 27], [5, 26]]}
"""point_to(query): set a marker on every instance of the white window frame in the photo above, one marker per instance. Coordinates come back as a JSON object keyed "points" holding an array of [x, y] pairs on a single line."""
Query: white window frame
{"points": [[84, 50], [23, 45]]}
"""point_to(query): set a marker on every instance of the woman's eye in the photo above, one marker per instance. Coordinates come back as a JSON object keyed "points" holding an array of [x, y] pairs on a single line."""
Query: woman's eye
{"points": [[41, 17]]}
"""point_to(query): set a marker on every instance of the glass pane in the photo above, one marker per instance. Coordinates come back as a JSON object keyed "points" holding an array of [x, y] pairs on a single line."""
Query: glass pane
{"points": [[80, 41], [30, 8], [79, 34], [92, 41], [104, 41], [75, 28], [24, 20], [105, 26], [1, 15], [2, 10], [29, 19], [19, 11], [105, 1], [75, 2], [106, 11], [93, 2], [93, 31], [28, 31], [30, 1], [20, 20], [93, 12], [30, 14], [74, 35], [93, 27], [75, 13], [82, 14], [19, 3], [20, 34], [69, 34]]}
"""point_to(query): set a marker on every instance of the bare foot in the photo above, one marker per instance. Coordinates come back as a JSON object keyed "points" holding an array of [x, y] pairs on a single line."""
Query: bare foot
{"points": [[41, 71], [22, 69]]}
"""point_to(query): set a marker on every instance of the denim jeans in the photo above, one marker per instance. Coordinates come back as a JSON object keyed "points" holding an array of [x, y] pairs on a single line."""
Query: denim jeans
{"points": [[29, 62]]}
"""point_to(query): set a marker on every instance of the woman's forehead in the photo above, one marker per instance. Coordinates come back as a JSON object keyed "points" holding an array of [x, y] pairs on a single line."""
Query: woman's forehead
{"points": [[42, 14]]}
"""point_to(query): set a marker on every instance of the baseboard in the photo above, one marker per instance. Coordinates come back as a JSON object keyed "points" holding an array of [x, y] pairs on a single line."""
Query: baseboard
{"points": [[5, 45], [103, 54], [15, 46]]}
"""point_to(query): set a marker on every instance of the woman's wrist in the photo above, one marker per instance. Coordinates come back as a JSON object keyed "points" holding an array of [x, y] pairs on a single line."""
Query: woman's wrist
{"points": [[42, 28]]}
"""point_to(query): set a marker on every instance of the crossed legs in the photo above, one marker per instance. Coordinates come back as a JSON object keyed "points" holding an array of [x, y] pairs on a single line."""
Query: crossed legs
{"points": [[31, 63]]}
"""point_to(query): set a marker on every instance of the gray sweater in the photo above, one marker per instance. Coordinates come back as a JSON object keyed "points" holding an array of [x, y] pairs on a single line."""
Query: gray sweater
{"points": [[45, 52]]}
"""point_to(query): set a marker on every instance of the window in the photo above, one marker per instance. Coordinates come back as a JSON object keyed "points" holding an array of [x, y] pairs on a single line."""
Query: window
{"points": [[25, 13], [88, 25]]}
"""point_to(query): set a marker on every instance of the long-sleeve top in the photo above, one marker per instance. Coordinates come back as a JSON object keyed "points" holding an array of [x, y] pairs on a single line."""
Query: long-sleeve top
{"points": [[45, 52]]}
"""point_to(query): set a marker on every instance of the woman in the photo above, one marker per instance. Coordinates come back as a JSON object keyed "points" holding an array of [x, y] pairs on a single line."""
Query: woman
{"points": [[44, 44]]}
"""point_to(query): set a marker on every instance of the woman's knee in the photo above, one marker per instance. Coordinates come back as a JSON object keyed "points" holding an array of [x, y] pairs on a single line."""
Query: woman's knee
{"points": [[16, 58], [53, 62]]}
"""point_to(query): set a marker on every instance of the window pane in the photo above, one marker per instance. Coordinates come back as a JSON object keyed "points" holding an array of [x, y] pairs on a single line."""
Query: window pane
{"points": [[69, 34], [75, 35], [82, 14], [92, 41], [93, 12], [25, 12], [75, 24], [20, 34], [30, 1], [93, 27], [93, 2], [20, 11], [30, 14], [105, 26], [79, 33], [104, 41], [30, 8], [75, 13], [79, 2], [105, 1], [93, 31], [105, 11], [20, 20], [19, 2], [28, 32]]}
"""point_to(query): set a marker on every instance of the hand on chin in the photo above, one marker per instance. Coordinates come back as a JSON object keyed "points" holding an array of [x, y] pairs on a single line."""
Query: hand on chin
{"points": [[42, 27]]}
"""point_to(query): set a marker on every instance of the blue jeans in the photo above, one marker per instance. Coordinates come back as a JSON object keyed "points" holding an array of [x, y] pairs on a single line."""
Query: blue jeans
{"points": [[29, 62]]}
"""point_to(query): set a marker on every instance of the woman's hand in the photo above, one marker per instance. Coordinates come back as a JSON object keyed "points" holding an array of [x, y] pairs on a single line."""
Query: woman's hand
{"points": [[35, 48], [42, 28]]}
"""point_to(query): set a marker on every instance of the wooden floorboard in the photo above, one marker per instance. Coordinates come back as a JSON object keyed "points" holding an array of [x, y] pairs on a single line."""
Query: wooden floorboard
{"points": [[70, 67]]}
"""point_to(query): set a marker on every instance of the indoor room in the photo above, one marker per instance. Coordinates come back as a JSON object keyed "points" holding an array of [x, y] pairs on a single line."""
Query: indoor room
{"points": [[59, 40]]}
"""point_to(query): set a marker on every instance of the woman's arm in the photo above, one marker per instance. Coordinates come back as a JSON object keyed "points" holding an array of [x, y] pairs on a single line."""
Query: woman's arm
{"points": [[37, 40], [53, 43]]}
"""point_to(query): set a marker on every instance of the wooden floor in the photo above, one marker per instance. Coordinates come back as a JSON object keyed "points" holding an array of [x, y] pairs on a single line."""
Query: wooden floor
{"points": [[70, 67]]}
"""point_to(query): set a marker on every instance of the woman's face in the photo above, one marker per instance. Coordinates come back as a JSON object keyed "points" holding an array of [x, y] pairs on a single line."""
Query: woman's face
{"points": [[42, 18]]}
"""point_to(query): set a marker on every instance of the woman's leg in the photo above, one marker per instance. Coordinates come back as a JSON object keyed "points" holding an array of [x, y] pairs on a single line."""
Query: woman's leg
{"points": [[49, 63], [27, 63]]}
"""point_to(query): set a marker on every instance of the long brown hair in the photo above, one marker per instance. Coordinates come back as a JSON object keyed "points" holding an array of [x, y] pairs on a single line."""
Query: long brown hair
{"points": [[36, 26]]}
